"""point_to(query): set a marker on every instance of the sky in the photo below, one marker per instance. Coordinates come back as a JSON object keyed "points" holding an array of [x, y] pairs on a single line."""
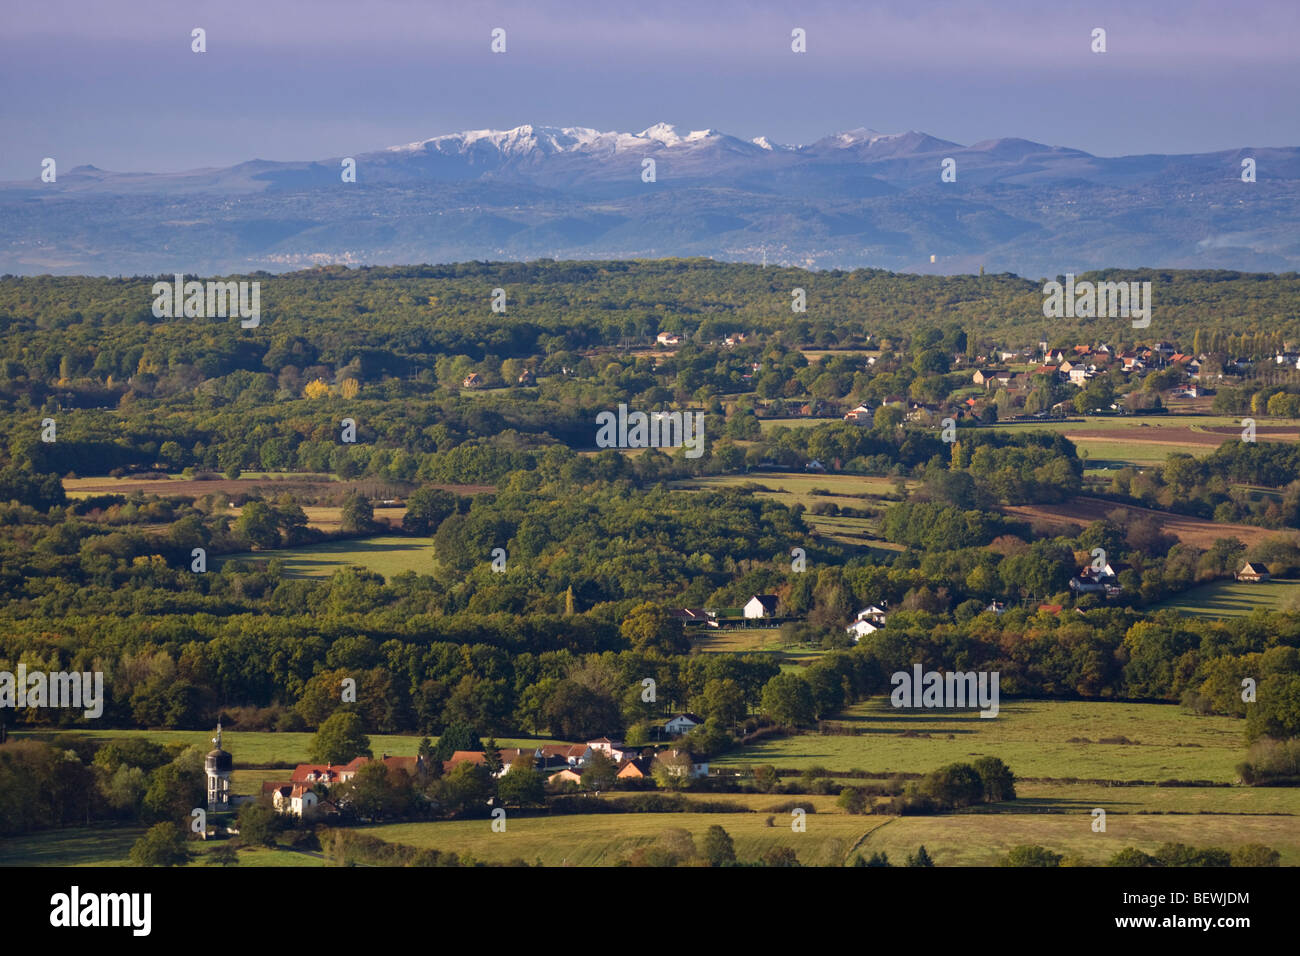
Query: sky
{"points": [[116, 85]]}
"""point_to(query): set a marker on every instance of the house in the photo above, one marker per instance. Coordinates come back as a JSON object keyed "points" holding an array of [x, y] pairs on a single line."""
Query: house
{"points": [[1050, 608], [1091, 580], [526, 377], [1253, 571], [682, 724], [814, 465], [668, 338], [293, 799], [986, 377], [997, 607], [473, 380], [733, 340], [861, 415], [1080, 375], [676, 763], [566, 775], [761, 605], [463, 756], [875, 614], [633, 768], [860, 629]]}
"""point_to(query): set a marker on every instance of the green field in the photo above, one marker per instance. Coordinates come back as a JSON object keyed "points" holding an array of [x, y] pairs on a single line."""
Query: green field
{"points": [[252, 750], [387, 555], [111, 846], [1030, 736], [971, 839], [1224, 599], [603, 839]]}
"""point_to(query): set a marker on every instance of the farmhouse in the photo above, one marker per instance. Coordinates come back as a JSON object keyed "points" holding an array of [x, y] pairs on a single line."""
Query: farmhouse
{"points": [[294, 799], [473, 380], [668, 338], [761, 605], [1253, 571], [682, 723]]}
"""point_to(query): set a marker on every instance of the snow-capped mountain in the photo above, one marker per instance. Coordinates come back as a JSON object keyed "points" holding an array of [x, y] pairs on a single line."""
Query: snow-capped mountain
{"points": [[853, 198]]}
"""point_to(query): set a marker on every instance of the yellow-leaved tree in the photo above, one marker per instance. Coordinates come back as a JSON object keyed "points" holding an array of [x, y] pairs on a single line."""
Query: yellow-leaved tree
{"points": [[316, 389], [351, 388]]}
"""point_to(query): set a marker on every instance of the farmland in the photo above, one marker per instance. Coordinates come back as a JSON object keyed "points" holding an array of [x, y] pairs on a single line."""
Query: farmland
{"points": [[386, 554], [1035, 738], [603, 839], [1236, 598]]}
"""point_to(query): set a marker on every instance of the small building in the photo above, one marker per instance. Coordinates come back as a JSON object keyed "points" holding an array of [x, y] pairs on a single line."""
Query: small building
{"points": [[860, 629], [668, 338], [473, 380], [761, 605], [1253, 571], [682, 724], [568, 775]]}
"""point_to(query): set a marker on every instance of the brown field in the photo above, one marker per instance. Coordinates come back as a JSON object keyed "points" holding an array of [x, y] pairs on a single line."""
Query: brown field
{"points": [[1211, 436], [308, 485], [1083, 511]]}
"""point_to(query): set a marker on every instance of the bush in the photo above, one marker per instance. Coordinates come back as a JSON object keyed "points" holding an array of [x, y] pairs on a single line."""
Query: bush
{"points": [[1026, 855]]}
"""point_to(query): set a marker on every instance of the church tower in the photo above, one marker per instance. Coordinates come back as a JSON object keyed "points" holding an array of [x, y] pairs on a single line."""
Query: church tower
{"points": [[218, 766]]}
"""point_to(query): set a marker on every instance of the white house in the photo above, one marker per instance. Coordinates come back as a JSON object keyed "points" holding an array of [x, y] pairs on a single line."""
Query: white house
{"points": [[682, 724], [761, 605], [860, 629], [668, 338]]}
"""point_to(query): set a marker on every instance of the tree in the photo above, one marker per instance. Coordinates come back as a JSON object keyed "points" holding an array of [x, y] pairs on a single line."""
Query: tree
{"points": [[650, 628], [258, 525], [998, 780], [672, 769], [427, 508], [257, 824], [600, 773], [522, 787], [780, 856], [1255, 854], [457, 736], [765, 777], [1130, 856], [955, 785], [492, 756], [176, 788], [878, 859], [358, 514], [163, 844], [339, 739], [1026, 855], [224, 855], [920, 858], [719, 849], [852, 799], [788, 700]]}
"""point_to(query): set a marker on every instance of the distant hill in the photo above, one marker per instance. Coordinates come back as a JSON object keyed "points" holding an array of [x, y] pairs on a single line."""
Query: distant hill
{"points": [[852, 199]]}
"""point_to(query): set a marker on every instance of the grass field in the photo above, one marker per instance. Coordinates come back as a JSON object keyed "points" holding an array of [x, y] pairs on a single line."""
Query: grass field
{"points": [[386, 554], [252, 750], [1032, 737], [111, 846], [983, 839], [1130, 440], [603, 839], [1224, 599]]}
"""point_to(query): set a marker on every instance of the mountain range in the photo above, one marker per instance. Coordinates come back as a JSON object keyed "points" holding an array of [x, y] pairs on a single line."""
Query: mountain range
{"points": [[853, 199]]}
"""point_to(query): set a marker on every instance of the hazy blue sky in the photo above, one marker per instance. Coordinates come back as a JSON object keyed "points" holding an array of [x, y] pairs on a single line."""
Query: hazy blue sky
{"points": [[115, 83]]}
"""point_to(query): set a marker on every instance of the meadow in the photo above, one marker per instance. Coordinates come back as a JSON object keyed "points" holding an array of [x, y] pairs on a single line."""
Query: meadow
{"points": [[1033, 737], [604, 839], [1224, 599], [386, 554], [983, 839]]}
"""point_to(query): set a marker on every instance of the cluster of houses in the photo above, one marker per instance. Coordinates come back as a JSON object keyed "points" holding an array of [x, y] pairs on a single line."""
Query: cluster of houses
{"points": [[305, 793]]}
